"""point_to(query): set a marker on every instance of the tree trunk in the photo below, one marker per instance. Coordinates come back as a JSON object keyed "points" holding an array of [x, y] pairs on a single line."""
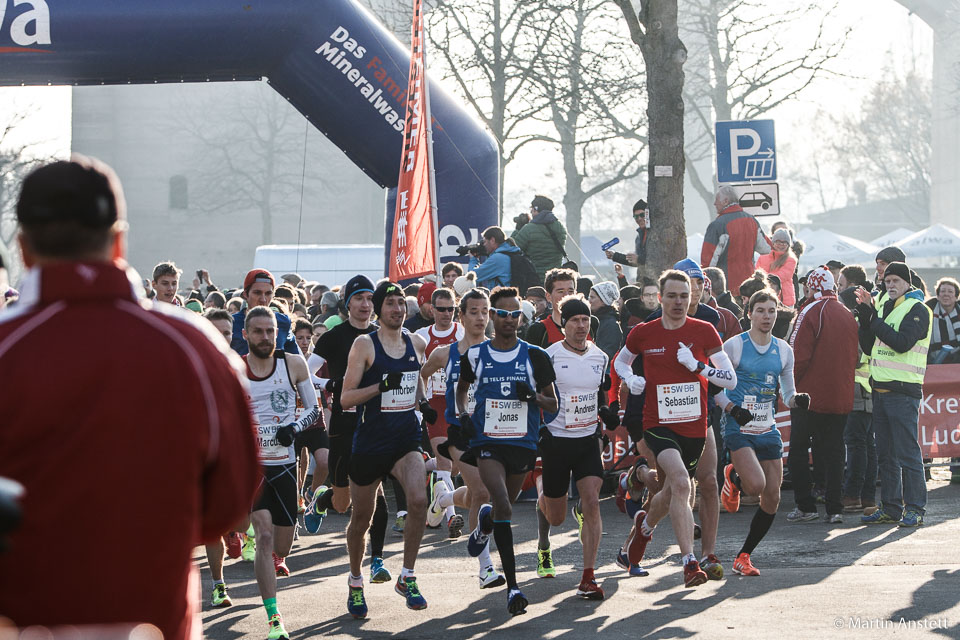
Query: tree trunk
{"points": [[664, 55]]}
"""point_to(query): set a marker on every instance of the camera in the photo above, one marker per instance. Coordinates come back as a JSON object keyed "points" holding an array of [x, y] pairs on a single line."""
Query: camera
{"points": [[521, 220], [476, 249]]}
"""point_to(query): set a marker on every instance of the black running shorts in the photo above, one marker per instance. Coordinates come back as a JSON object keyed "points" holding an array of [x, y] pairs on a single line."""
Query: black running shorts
{"points": [[660, 438], [312, 440], [367, 468], [515, 460], [342, 428], [563, 457], [278, 493]]}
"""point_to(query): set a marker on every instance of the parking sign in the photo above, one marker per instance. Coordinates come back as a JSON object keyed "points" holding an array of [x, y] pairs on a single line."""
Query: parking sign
{"points": [[746, 151]]}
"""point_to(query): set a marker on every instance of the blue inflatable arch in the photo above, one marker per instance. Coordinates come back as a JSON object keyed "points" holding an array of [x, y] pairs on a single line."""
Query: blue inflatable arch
{"points": [[331, 59]]}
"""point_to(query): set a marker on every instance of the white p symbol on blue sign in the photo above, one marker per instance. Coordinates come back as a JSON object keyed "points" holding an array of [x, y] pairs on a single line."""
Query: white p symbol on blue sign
{"points": [[746, 151]]}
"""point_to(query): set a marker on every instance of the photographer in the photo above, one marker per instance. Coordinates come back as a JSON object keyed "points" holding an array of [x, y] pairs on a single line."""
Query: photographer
{"points": [[495, 269], [637, 257], [541, 237]]}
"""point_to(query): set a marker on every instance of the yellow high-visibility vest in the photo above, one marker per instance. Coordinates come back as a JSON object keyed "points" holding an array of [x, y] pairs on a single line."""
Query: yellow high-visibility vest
{"points": [[887, 365]]}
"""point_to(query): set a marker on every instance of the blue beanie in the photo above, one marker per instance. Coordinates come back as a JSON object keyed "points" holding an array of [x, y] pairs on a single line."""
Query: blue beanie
{"points": [[689, 267]]}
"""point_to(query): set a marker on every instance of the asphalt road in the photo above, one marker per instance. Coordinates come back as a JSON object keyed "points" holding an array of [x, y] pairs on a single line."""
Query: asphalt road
{"points": [[817, 581]]}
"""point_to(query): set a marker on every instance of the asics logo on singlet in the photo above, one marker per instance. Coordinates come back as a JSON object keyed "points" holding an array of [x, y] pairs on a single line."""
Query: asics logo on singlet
{"points": [[654, 352]]}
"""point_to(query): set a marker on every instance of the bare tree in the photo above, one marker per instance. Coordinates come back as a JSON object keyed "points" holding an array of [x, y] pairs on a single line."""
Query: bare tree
{"points": [[741, 67], [591, 87], [654, 30]]}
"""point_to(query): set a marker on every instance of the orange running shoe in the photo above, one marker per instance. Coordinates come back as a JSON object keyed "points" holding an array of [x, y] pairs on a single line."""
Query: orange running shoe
{"points": [[280, 565], [742, 566], [234, 544], [693, 575], [730, 496]]}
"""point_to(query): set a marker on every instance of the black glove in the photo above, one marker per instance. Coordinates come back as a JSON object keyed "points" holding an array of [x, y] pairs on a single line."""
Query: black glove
{"points": [[333, 385], [741, 415], [615, 407], [429, 413], [605, 441], [525, 393], [802, 401], [545, 437], [609, 417], [391, 382], [466, 425], [285, 435], [605, 385]]}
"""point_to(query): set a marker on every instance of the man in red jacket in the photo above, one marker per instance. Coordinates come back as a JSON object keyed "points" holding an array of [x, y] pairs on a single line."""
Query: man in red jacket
{"points": [[824, 342], [732, 239], [83, 435]]}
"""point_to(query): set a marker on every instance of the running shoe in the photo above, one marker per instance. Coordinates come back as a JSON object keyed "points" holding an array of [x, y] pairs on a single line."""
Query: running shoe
{"points": [[516, 602], [277, 632], [712, 567], [313, 519], [693, 575], [356, 603], [834, 518], [578, 516], [407, 587], [489, 578], [730, 496], [398, 524], [802, 516], [545, 568], [249, 550], [911, 519], [378, 572], [280, 566], [637, 543], [743, 567], [478, 539], [633, 569], [435, 512], [455, 526], [220, 597], [879, 517], [621, 495], [590, 590], [234, 544]]}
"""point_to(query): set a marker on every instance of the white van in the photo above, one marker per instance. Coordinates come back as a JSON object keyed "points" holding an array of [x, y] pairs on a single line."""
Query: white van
{"points": [[329, 264]]}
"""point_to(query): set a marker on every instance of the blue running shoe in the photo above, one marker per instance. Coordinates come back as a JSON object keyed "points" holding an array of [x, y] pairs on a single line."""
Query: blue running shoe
{"points": [[911, 519], [407, 587], [478, 539], [356, 603], [378, 572], [313, 519], [516, 602], [879, 517], [635, 570]]}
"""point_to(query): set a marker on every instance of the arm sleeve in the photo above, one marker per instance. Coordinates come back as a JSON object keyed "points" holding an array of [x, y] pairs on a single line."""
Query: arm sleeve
{"points": [[788, 387], [734, 349], [466, 369], [311, 408], [623, 365], [721, 373], [536, 334], [315, 363], [543, 371]]}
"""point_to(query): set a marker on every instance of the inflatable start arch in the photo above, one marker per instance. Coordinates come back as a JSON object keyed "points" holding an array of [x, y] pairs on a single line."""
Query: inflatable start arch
{"points": [[330, 58]]}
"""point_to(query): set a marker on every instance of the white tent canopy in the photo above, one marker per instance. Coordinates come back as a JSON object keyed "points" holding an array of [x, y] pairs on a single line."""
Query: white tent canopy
{"points": [[823, 245], [694, 246], [934, 241], [891, 237]]}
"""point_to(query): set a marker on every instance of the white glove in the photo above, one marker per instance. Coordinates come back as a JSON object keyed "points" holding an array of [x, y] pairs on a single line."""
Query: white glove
{"points": [[685, 357], [636, 384]]}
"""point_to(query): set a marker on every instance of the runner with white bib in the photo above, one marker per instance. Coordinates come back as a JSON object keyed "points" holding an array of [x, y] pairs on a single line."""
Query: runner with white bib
{"points": [[569, 444], [514, 382], [763, 364], [276, 379], [675, 350]]}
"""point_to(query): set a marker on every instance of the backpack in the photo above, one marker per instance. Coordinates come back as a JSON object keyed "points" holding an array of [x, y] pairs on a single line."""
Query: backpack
{"points": [[523, 274]]}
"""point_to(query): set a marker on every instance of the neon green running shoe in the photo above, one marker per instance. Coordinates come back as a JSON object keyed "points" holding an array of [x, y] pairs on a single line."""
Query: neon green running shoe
{"points": [[277, 632], [578, 516], [220, 598], [545, 568], [249, 550]]}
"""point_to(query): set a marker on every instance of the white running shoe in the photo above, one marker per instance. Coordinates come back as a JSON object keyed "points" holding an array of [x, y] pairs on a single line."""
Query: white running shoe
{"points": [[435, 513], [489, 578]]}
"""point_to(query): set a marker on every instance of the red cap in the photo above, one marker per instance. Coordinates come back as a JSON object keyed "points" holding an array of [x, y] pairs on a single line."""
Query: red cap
{"points": [[425, 294], [258, 275]]}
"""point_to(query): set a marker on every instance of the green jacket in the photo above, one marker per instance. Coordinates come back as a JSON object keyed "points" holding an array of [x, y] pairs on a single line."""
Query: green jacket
{"points": [[535, 242]]}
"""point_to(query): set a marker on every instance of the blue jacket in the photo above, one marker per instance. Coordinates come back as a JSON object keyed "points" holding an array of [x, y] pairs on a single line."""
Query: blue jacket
{"points": [[285, 339], [495, 270]]}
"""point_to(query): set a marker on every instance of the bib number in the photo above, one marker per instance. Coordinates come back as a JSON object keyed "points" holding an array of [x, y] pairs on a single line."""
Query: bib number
{"points": [[580, 410], [404, 397], [505, 418], [270, 449], [763, 421], [678, 402], [438, 383]]}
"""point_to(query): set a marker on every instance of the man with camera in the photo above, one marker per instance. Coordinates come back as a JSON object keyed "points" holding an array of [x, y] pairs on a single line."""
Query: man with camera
{"points": [[541, 236], [637, 257], [495, 271]]}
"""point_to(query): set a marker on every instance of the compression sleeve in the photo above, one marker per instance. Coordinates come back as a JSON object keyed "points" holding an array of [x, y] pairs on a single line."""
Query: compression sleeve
{"points": [[734, 349], [311, 409], [314, 362], [721, 373], [543, 371], [623, 365], [788, 387]]}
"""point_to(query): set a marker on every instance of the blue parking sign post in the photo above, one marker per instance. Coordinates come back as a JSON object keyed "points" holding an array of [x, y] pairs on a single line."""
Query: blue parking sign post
{"points": [[746, 151]]}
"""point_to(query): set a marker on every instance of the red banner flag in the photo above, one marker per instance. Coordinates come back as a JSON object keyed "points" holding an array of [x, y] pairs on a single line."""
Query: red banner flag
{"points": [[413, 246]]}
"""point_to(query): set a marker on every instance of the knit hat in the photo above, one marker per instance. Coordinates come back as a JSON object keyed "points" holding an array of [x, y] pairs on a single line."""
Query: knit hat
{"points": [[464, 283], [820, 281], [384, 289], [892, 254], [425, 294], [898, 269], [690, 268], [573, 307], [782, 235], [542, 203], [258, 275], [357, 284], [607, 292]]}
